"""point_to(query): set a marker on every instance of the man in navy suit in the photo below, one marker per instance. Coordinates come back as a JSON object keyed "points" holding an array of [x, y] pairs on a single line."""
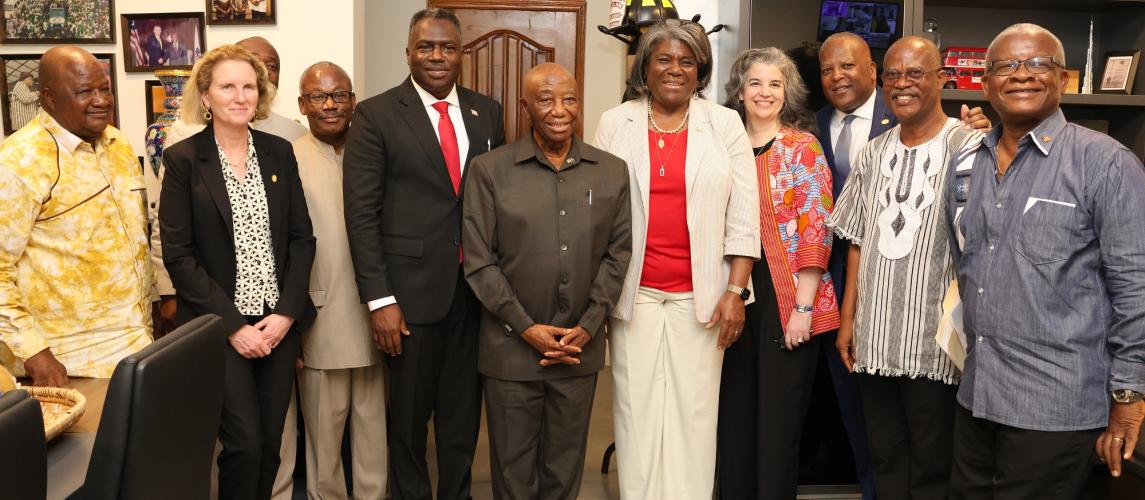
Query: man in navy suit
{"points": [[856, 115]]}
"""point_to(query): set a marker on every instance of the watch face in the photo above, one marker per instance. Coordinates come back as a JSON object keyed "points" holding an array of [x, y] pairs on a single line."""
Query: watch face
{"points": [[745, 294]]}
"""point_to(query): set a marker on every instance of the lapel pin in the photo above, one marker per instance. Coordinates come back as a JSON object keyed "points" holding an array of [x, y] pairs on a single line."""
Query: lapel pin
{"points": [[1045, 138], [885, 121], [273, 178], [474, 111]]}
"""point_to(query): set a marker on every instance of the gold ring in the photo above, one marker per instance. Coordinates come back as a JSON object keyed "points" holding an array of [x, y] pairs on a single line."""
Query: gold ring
{"points": [[1118, 438]]}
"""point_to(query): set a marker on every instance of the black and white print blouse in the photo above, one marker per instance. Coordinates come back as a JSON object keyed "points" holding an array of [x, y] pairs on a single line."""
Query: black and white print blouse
{"points": [[255, 281]]}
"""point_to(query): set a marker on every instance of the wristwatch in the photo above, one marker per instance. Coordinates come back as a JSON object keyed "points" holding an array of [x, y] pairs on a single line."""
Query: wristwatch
{"points": [[1127, 396], [743, 293], [804, 309]]}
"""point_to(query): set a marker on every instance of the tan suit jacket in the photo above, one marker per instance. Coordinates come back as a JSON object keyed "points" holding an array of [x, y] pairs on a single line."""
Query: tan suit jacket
{"points": [[722, 195], [340, 337]]}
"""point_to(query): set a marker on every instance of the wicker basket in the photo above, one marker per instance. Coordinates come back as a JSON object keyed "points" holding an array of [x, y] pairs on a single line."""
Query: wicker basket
{"points": [[61, 407]]}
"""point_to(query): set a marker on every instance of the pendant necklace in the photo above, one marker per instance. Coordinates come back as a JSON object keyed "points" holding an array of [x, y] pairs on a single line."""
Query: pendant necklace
{"points": [[660, 140]]}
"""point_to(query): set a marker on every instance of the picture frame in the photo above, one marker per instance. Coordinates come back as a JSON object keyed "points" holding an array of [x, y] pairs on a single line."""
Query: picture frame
{"points": [[21, 97], [172, 40], [1120, 70], [241, 12], [154, 94], [73, 21]]}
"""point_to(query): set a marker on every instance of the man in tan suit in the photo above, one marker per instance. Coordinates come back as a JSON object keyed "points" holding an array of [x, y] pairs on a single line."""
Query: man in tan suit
{"points": [[342, 374]]}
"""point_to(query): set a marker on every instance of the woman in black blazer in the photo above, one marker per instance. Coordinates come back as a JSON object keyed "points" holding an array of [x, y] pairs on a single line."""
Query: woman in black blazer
{"points": [[237, 242]]}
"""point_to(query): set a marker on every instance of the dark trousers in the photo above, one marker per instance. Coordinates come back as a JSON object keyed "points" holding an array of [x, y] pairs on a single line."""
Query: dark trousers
{"points": [[993, 461], [851, 413], [255, 396], [910, 428], [538, 431], [764, 394], [436, 375]]}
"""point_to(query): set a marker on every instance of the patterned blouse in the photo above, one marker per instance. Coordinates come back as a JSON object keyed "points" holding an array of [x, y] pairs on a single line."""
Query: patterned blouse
{"points": [[255, 280], [795, 201]]}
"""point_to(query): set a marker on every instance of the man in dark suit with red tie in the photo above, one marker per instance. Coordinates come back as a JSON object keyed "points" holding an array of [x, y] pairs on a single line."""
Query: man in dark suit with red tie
{"points": [[403, 168]]}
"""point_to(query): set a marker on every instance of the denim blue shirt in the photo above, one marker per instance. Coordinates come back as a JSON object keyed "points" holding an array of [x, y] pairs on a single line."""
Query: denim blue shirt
{"points": [[1052, 277]]}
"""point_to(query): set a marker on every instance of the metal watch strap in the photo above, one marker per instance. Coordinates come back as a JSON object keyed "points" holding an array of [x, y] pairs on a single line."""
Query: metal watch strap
{"points": [[1127, 396], [804, 309]]}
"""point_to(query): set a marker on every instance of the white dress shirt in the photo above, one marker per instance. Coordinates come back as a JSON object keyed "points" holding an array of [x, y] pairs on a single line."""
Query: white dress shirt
{"points": [[860, 126], [462, 147]]}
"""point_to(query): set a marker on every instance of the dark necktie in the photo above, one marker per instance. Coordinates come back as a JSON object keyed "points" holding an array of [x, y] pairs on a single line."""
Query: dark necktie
{"points": [[448, 138], [843, 149]]}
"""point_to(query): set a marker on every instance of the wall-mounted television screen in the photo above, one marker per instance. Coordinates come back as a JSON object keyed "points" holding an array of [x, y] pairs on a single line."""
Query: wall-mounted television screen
{"points": [[878, 23]]}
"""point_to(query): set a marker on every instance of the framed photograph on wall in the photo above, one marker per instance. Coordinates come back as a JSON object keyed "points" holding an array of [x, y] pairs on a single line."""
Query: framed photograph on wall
{"points": [[154, 94], [158, 41], [73, 21], [1120, 70], [241, 11], [21, 101]]}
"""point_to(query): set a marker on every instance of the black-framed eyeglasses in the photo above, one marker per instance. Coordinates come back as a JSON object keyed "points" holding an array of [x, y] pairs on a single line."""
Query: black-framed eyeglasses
{"points": [[1036, 65], [890, 76], [319, 98]]}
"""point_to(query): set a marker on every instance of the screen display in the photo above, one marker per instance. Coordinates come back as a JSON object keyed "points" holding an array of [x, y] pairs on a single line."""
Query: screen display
{"points": [[877, 23]]}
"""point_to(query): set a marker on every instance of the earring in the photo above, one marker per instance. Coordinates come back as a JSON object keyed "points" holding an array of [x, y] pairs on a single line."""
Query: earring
{"points": [[207, 115]]}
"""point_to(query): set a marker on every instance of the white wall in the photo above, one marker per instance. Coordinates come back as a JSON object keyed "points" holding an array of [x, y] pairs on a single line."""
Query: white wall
{"points": [[301, 36]]}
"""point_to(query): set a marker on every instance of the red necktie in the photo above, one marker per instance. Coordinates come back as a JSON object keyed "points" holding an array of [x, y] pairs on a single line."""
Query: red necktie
{"points": [[448, 138]]}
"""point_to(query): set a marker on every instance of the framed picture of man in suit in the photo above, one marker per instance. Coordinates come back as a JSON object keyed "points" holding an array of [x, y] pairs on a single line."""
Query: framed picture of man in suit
{"points": [[162, 41], [241, 11], [58, 21], [21, 85]]}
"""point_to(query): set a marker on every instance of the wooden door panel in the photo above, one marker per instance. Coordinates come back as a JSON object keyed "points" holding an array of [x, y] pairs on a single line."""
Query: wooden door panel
{"points": [[502, 40]]}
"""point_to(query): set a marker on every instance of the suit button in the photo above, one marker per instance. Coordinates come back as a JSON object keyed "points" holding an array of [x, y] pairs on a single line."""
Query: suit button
{"points": [[564, 309], [564, 280], [562, 213], [564, 247], [457, 242]]}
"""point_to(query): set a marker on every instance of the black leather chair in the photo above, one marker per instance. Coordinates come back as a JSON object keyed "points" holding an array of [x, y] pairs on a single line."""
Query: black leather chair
{"points": [[24, 453], [157, 433]]}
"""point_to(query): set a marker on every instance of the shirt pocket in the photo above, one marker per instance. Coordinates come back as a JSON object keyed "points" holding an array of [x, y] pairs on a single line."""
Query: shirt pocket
{"points": [[1046, 231]]}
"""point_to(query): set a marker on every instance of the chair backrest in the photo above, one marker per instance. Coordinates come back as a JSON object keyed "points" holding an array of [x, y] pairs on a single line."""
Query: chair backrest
{"points": [[160, 420], [24, 459]]}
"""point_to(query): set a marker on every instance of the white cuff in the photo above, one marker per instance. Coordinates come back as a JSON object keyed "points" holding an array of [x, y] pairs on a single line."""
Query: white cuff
{"points": [[376, 304]]}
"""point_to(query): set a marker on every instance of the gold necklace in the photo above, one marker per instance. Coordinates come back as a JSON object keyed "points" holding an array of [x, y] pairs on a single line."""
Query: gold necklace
{"points": [[670, 150], [656, 128]]}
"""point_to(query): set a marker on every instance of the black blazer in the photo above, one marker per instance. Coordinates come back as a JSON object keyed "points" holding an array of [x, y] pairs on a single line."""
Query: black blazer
{"points": [[197, 231], [403, 219], [882, 120]]}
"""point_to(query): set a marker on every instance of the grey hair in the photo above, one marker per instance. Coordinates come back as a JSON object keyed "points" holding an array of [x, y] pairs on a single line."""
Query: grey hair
{"points": [[794, 113], [1029, 29], [434, 13], [687, 32]]}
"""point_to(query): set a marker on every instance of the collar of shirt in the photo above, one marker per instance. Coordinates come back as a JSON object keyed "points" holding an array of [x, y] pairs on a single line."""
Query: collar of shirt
{"points": [[1042, 135], [527, 150], [866, 111], [69, 141], [324, 148], [428, 100]]}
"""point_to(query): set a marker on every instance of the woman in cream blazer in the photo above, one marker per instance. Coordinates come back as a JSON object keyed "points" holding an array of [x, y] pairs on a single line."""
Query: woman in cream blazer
{"points": [[695, 235]]}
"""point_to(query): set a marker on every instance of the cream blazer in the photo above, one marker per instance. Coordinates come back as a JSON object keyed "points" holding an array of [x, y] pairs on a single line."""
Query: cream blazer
{"points": [[722, 195]]}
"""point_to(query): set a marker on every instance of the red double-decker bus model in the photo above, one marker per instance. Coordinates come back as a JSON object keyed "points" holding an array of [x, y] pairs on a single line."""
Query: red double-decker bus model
{"points": [[965, 67]]}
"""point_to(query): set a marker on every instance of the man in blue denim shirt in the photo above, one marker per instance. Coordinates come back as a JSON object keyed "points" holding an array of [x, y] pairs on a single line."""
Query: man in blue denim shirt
{"points": [[1051, 268]]}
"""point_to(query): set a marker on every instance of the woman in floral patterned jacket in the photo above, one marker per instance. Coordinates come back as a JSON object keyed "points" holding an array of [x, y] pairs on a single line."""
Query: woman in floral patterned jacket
{"points": [[767, 375]]}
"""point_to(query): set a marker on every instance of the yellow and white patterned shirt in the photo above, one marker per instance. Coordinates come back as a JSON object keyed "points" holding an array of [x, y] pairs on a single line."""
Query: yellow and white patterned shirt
{"points": [[75, 274]]}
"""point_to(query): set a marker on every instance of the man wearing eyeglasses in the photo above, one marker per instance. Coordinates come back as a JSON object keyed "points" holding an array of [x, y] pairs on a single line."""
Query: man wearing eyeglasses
{"points": [[1052, 276], [341, 378], [898, 265]]}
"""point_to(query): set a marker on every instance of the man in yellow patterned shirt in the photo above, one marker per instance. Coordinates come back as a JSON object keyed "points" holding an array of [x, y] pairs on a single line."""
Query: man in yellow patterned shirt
{"points": [[75, 276]]}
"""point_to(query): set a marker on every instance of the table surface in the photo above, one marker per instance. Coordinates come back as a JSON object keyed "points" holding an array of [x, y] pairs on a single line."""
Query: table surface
{"points": [[95, 391], [70, 452]]}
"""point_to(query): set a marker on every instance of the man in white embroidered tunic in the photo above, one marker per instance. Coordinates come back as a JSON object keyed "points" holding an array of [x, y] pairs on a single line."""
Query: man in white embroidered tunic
{"points": [[75, 279], [891, 209]]}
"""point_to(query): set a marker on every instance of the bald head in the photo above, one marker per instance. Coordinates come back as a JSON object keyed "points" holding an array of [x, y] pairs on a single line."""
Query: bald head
{"points": [[76, 91], [265, 52], [1027, 31], [846, 71], [326, 97], [551, 98], [918, 44]]}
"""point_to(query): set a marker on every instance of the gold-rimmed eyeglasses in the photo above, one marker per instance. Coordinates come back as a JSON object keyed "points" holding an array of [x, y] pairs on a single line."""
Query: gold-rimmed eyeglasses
{"points": [[1036, 65]]}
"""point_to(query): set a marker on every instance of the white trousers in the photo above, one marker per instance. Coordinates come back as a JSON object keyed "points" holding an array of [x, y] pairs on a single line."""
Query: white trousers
{"points": [[666, 375], [328, 398]]}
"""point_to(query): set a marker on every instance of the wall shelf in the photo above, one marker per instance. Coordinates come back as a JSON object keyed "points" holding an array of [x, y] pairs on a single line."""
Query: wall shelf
{"points": [[1067, 100]]}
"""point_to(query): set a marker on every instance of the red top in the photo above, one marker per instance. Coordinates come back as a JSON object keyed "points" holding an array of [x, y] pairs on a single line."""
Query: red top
{"points": [[668, 253]]}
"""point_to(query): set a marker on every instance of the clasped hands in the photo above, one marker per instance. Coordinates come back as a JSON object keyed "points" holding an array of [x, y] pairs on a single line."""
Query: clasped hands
{"points": [[256, 341], [557, 345]]}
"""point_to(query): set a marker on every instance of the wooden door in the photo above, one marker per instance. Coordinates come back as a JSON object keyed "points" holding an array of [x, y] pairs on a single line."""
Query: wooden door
{"points": [[503, 39]]}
